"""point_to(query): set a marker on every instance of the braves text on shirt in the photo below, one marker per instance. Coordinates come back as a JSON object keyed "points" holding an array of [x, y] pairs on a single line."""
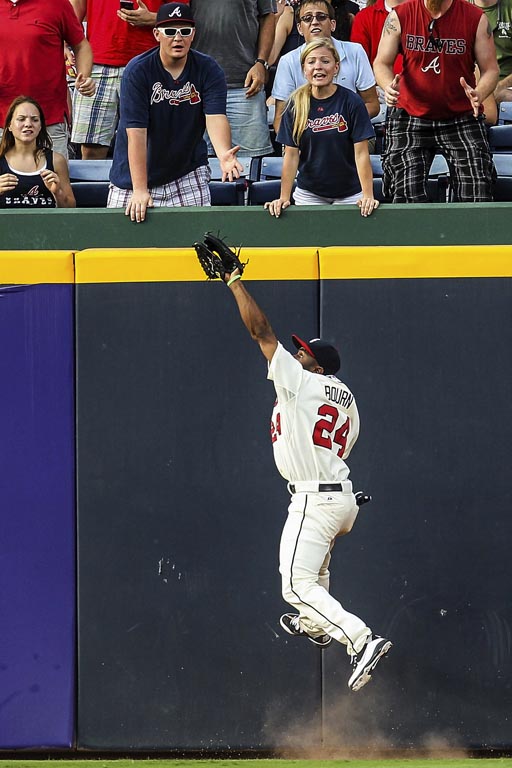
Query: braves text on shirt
{"points": [[452, 46], [334, 122], [187, 93]]}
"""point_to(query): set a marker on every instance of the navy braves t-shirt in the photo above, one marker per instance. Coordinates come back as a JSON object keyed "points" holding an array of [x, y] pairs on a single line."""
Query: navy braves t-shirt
{"points": [[326, 164], [173, 111]]}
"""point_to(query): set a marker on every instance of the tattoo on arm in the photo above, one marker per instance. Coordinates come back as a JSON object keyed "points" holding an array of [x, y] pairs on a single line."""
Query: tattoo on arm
{"points": [[489, 30], [390, 26]]}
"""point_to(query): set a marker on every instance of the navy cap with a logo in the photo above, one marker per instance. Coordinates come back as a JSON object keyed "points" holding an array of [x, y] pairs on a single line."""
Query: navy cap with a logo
{"points": [[174, 12], [324, 353]]}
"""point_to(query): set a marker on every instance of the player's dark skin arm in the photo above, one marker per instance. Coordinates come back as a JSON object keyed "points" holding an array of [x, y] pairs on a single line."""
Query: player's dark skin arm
{"points": [[253, 318]]}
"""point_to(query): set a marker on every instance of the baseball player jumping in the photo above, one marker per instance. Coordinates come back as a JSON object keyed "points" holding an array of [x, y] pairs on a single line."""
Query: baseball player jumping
{"points": [[315, 424]]}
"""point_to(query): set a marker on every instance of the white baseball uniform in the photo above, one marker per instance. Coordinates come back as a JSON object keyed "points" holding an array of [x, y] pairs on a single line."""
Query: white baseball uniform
{"points": [[315, 424]]}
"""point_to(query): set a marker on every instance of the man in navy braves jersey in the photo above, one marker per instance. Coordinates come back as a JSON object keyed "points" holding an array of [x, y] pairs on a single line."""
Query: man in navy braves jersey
{"points": [[169, 95], [434, 105]]}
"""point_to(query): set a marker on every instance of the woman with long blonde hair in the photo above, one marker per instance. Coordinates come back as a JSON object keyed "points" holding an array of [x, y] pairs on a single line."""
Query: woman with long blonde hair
{"points": [[31, 174], [325, 130]]}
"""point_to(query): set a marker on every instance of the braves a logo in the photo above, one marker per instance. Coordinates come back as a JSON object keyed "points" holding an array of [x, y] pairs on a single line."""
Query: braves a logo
{"points": [[434, 66], [176, 12]]}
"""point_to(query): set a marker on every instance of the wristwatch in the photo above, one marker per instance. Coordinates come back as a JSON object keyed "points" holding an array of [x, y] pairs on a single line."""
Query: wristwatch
{"points": [[262, 61]]}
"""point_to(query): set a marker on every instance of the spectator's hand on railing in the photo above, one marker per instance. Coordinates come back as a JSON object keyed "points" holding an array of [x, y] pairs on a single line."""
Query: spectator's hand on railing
{"points": [[85, 85], [229, 165], [473, 96], [8, 182], [392, 92], [140, 201], [367, 205], [255, 80], [140, 17], [276, 207]]}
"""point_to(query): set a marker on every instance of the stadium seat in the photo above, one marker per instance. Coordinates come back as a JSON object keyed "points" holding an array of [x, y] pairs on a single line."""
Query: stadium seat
{"points": [[90, 194], [89, 170], [266, 168], [505, 113], [500, 138], [228, 192], [261, 192]]}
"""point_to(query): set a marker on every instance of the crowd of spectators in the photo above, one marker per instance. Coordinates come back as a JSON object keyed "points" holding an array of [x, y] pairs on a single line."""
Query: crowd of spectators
{"points": [[161, 86]]}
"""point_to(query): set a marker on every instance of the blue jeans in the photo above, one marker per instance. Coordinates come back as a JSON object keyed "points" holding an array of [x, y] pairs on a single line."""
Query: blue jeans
{"points": [[249, 124]]}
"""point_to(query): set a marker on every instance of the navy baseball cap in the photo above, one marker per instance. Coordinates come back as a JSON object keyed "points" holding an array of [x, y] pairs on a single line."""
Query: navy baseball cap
{"points": [[174, 12], [324, 353]]}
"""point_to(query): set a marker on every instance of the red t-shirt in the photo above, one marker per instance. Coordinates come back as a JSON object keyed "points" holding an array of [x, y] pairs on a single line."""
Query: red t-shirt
{"points": [[32, 34], [435, 60], [367, 29], [113, 41]]}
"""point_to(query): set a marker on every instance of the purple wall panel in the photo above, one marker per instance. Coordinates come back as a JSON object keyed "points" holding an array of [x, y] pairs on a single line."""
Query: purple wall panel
{"points": [[37, 531]]}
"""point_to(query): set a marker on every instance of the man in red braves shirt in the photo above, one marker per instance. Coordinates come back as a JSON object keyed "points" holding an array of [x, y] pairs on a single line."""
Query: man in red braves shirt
{"points": [[116, 35], [434, 105]]}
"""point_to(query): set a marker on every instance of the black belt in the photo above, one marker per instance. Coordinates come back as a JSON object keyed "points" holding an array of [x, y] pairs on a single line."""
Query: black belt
{"points": [[333, 487]]}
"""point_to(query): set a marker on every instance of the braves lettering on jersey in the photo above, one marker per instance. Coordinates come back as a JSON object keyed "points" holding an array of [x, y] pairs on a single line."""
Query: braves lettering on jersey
{"points": [[315, 422], [436, 54], [31, 191], [172, 111], [327, 163]]}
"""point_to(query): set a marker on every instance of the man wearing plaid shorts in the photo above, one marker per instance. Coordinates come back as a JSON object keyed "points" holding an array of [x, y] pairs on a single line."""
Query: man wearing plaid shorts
{"points": [[169, 95], [434, 105], [116, 34]]}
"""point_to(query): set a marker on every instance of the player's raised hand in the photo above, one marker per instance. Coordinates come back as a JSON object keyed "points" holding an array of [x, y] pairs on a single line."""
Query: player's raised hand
{"points": [[392, 91], [473, 96], [230, 167]]}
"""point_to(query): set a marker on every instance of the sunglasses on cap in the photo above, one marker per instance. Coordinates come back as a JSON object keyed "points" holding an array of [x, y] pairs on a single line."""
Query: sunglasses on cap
{"points": [[173, 31], [309, 17]]}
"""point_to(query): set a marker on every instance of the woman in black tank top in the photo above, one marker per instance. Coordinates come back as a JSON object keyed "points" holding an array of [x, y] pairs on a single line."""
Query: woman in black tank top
{"points": [[31, 174]]}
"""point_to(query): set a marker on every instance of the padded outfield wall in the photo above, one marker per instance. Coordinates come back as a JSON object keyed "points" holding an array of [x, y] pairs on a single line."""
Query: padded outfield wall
{"points": [[179, 506]]}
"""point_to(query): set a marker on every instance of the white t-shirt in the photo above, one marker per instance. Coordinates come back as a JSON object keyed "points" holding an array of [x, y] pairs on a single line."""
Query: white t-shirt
{"points": [[315, 422], [355, 72]]}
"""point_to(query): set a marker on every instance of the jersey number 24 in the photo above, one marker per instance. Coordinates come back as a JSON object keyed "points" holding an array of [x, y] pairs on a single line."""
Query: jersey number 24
{"points": [[325, 433]]}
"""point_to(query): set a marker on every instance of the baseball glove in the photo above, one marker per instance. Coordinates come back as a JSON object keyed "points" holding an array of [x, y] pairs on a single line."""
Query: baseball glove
{"points": [[216, 258]]}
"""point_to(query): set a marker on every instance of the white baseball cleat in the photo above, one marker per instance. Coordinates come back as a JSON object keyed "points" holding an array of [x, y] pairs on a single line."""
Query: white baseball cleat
{"points": [[365, 662], [290, 623]]}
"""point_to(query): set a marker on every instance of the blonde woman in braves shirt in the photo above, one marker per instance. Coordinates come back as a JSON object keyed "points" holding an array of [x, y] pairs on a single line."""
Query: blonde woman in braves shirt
{"points": [[325, 130]]}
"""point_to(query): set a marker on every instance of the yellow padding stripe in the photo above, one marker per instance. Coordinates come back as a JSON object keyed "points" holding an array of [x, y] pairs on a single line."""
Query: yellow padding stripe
{"points": [[351, 263], [181, 265], [32, 267]]}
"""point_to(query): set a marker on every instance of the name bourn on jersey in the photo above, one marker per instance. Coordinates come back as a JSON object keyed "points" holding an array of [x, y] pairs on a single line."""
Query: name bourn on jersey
{"points": [[340, 396]]}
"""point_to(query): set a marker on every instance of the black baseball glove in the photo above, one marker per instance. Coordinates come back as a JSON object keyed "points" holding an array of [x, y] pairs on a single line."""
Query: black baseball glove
{"points": [[216, 258]]}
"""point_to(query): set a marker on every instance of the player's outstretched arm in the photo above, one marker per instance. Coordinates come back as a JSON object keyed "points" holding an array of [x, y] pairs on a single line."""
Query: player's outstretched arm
{"points": [[252, 316]]}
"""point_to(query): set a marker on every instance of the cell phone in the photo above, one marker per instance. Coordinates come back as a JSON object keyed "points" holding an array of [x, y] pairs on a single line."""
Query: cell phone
{"points": [[127, 5]]}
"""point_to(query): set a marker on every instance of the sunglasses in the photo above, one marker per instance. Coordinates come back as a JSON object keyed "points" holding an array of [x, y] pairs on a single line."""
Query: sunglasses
{"points": [[435, 42], [173, 31], [309, 17]]}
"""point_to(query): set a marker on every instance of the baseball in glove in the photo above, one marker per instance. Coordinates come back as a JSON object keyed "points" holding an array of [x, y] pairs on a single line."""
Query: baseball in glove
{"points": [[216, 258]]}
